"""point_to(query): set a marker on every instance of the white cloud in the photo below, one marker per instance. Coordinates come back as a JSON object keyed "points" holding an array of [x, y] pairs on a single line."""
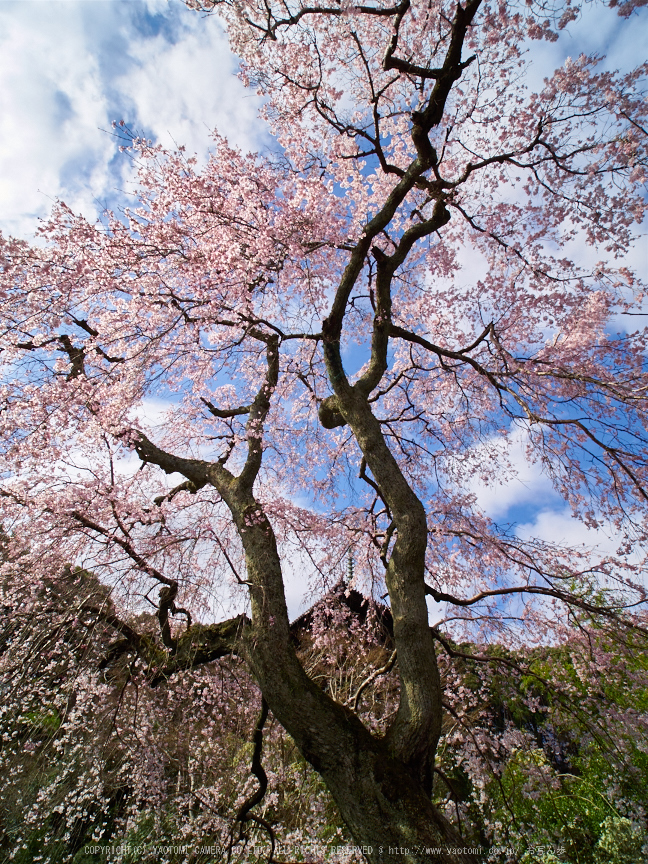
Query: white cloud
{"points": [[522, 494], [51, 103], [182, 90], [559, 526], [68, 69], [514, 484]]}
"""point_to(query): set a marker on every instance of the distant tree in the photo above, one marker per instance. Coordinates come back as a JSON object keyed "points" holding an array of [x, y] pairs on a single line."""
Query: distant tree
{"points": [[343, 337]]}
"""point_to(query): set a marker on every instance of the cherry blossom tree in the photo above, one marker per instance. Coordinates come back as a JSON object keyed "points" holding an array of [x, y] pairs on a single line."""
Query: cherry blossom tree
{"points": [[325, 349]]}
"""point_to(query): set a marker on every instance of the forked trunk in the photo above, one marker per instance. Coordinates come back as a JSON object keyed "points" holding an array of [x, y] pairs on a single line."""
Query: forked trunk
{"points": [[386, 810], [380, 797]]}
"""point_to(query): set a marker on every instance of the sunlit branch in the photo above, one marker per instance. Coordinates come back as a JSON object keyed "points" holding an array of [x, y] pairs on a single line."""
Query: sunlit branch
{"points": [[383, 670]]}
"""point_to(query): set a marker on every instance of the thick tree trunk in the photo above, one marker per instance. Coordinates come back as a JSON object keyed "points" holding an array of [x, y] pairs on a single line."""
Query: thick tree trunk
{"points": [[380, 798]]}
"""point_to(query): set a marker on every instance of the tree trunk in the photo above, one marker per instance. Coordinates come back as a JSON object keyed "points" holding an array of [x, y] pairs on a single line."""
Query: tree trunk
{"points": [[382, 801]]}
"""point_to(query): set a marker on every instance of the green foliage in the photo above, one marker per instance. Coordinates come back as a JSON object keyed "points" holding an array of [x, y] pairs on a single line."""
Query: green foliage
{"points": [[621, 842], [560, 775], [46, 721]]}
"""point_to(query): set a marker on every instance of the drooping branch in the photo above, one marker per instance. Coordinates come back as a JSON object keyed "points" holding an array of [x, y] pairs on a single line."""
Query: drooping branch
{"points": [[564, 695], [256, 768], [124, 544], [166, 605], [244, 813], [132, 641], [564, 596], [201, 644]]}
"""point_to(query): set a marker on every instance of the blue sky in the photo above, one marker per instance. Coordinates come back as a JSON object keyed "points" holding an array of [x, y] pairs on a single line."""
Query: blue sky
{"points": [[68, 69]]}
